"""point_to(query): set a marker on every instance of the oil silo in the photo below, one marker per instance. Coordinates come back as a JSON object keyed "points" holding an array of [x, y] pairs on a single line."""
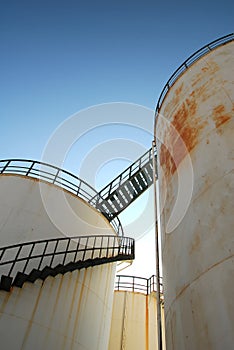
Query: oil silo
{"points": [[58, 259], [194, 135], [134, 320]]}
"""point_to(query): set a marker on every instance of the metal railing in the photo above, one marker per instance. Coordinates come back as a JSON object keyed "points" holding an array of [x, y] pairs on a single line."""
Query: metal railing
{"points": [[137, 284], [189, 61], [126, 174], [24, 257], [58, 177]]}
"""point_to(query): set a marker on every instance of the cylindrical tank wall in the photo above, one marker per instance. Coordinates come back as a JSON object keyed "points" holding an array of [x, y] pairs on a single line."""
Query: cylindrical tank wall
{"points": [[71, 311], [32, 210], [134, 321], [197, 254]]}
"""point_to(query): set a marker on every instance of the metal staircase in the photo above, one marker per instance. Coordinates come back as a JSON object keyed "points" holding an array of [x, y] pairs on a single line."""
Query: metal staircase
{"points": [[126, 187], [27, 262]]}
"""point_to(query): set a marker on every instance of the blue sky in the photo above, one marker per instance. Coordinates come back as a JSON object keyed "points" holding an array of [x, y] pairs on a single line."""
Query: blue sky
{"points": [[60, 57]]}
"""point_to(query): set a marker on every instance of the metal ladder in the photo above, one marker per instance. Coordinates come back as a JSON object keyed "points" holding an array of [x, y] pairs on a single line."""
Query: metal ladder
{"points": [[126, 187]]}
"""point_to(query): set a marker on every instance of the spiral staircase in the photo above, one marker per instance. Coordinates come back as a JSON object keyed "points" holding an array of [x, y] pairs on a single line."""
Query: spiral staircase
{"points": [[29, 261]]}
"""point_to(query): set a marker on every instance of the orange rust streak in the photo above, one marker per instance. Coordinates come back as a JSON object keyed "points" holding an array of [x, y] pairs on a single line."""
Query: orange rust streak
{"points": [[180, 142], [221, 120], [219, 116]]}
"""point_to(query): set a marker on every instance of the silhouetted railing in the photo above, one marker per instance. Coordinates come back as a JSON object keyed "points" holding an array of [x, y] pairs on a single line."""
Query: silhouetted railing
{"points": [[52, 253], [58, 177], [127, 173], [189, 61], [137, 284]]}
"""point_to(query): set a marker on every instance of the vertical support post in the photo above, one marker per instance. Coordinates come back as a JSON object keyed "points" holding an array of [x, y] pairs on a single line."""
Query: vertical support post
{"points": [[159, 330]]}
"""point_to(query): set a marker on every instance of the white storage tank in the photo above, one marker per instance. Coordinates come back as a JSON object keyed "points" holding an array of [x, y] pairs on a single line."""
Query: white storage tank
{"points": [[197, 105], [56, 293], [134, 315]]}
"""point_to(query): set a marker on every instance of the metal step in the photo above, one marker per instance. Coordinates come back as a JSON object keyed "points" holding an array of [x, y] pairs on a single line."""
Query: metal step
{"points": [[47, 271], [135, 184], [126, 193], [19, 280], [6, 283], [34, 274], [128, 186], [148, 172]]}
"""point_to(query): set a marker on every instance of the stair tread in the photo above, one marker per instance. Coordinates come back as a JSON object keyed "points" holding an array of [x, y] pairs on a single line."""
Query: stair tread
{"points": [[47, 271], [33, 275], [19, 279], [6, 283]]}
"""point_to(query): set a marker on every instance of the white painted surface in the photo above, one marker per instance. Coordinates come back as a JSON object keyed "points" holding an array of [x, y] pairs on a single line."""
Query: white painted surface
{"points": [[134, 320], [33, 210], [71, 311], [198, 255]]}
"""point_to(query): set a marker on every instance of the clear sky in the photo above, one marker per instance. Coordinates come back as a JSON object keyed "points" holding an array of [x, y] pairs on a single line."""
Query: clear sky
{"points": [[60, 57]]}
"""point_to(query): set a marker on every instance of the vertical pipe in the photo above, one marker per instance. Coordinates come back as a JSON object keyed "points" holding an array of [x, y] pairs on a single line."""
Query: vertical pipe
{"points": [[157, 253]]}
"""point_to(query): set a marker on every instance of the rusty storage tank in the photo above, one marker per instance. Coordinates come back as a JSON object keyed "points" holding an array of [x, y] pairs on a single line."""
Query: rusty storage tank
{"points": [[134, 321], [57, 260], [194, 133]]}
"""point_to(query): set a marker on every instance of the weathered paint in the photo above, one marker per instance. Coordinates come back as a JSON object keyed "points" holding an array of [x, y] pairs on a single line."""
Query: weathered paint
{"points": [[198, 260], [71, 311], [26, 215], [134, 321]]}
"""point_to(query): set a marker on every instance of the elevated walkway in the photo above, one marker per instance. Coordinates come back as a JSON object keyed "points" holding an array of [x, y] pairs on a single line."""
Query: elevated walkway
{"points": [[27, 262], [126, 187]]}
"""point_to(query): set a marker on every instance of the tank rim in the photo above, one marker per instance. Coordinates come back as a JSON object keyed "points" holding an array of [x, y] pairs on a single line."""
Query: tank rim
{"points": [[188, 63]]}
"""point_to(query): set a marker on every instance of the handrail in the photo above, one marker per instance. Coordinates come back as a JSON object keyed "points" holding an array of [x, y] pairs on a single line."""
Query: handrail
{"points": [[188, 62], [127, 173], [24, 257], [137, 284], [58, 177]]}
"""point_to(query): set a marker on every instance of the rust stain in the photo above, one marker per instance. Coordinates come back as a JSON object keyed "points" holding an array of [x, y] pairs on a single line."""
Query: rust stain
{"points": [[204, 69], [80, 300], [167, 161], [179, 89], [219, 116], [183, 136], [176, 96], [5, 300], [195, 244]]}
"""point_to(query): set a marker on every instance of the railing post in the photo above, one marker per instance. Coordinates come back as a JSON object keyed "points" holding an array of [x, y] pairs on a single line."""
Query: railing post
{"points": [[94, 244], [55, 248], [13, 263], [85, 248], [100, 253], [4, 168], [78, 188], [30, 168], [65, 254], [77, 248], [30, 253], [39, 266], [55, 177]]}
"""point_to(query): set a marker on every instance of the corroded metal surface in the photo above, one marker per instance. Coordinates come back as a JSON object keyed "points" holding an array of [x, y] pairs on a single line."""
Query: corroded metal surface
{"points": [[196, 121], [71, 311], [133, 323]]}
